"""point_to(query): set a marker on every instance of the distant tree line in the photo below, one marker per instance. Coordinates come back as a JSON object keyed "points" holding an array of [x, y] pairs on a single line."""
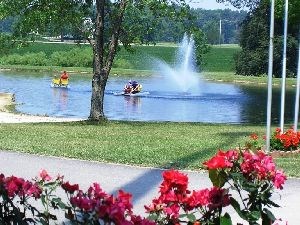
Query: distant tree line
{"points": [[164, 29]]}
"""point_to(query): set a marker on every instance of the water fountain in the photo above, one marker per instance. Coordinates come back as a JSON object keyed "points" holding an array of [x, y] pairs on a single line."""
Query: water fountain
{"points": [[182, 76]]}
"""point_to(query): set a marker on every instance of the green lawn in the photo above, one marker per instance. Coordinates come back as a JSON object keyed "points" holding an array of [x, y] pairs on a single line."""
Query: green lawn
{"points": [[164, 145]]}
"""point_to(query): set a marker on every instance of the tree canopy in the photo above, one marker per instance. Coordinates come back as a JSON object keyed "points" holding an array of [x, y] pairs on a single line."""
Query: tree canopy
{"points": [[252, 60]]}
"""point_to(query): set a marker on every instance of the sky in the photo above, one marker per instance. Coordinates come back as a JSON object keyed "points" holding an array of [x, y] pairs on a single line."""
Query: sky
{"points": [[210, 4]]}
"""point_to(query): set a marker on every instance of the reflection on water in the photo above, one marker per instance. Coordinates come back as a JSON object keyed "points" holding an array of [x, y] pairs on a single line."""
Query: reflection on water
{"points": [[60, 99], [215, 102]]}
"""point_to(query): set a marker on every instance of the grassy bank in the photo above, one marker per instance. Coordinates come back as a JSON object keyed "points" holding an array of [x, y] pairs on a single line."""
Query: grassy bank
{"points": [[176, 145], [220, 58]]}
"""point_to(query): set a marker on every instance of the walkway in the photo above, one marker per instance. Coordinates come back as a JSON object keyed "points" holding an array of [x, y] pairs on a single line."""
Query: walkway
{"points": [[143, 183]]}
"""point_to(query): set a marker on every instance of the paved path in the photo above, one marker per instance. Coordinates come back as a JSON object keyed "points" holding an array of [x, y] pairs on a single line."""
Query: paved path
{"points": [[143, 183]]}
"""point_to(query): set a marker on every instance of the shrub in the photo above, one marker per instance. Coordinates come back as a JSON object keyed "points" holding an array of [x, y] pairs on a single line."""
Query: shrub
{"points": [[286, 141], [31, 59], [78, 57]]}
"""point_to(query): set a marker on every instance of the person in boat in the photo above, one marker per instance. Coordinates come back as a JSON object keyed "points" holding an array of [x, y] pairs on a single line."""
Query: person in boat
{"points": [[132, 87], [56, 80], [128, 88], [64, 77], [136, 87]]}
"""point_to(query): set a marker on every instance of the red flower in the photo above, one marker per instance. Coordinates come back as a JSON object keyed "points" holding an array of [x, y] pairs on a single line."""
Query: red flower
{"points": [[44, 175], [70, 188], [198, 199], [254, 136], [174, 180], [222, 160], [218, 198]]}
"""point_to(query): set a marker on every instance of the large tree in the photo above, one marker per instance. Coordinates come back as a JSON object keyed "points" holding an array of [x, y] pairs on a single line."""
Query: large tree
{"points": [[104, 23], [254, 40]]}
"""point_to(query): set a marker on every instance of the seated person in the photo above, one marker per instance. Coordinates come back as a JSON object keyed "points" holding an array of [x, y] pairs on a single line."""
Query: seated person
{"points": [[55, 80], [64, 75], [128, 88], [64, 78], [136, 87]]}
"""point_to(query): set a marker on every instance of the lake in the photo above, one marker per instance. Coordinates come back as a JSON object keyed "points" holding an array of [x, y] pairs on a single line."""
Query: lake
{"points": [[212, 103]]}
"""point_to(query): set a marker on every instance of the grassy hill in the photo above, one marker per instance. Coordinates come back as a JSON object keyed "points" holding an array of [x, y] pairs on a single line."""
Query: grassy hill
{"points": [[219, 59]]}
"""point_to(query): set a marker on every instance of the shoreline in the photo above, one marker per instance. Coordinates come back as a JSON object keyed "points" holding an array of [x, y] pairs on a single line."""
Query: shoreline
{"points": [[6, 116]]}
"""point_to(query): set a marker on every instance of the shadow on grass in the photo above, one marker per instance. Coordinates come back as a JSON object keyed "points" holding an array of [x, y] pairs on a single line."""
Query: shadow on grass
{"points": [[153, 177]]}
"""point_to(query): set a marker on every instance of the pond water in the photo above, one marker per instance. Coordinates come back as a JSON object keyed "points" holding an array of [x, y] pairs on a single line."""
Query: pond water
{"points": [[214, 102]]}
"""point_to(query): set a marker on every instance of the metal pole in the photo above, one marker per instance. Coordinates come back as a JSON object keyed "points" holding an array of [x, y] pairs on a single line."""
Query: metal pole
{"points": [[283, 76], [220, 35], [297, 93], [270, 74]]}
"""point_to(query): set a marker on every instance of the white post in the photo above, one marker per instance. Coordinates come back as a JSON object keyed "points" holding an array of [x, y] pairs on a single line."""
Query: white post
{"points": [[220, 35], [283, 76], [270, 74], [297, 93]]}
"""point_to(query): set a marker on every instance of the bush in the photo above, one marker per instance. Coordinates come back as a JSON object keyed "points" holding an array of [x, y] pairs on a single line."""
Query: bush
{"points": [[31, 59], [74, 58]]}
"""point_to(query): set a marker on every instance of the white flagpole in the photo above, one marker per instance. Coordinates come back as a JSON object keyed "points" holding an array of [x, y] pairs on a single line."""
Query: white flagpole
{"points": [[297, 93], [283, 76], [270, 74]]}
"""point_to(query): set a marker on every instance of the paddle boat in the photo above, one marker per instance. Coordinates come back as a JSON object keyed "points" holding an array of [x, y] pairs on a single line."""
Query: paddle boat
{"points": [[132, 88], [59, 82]]}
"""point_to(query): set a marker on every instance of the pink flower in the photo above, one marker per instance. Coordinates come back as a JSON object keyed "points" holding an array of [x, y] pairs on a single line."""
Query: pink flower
{"points": [[44, 175], [279, 179]]}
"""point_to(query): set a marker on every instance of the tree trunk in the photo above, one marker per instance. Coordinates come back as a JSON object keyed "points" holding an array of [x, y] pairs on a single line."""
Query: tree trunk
{"points": [[98, 87], [102, 65]]}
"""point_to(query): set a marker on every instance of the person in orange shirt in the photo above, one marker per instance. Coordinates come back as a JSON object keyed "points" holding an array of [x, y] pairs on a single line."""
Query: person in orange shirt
{"points": [[64, 75]]}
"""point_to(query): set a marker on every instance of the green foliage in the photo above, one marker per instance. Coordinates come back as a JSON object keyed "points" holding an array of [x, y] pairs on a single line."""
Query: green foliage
{"points": [[33, 59], [209, 22], [6, 43], [200, 45], [252, 60], [74, 58]]}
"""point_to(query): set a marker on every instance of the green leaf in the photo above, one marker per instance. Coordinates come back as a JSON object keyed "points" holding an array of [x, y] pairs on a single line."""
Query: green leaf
{"points": [[269, 214], [218, 178], [153, 217], [237, 208], [254, 215], [225, 220], [191, 217]]}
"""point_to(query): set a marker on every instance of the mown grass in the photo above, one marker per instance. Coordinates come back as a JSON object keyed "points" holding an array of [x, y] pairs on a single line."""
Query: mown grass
{"points": [[181, 145], [220, 58], [164, 145]]}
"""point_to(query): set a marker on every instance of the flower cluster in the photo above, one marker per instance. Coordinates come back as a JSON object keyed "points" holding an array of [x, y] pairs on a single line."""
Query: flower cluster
{"points": [[96, 205], [261, 167], [18, 187], [285, 141], [176, 203], [248, 172]]}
